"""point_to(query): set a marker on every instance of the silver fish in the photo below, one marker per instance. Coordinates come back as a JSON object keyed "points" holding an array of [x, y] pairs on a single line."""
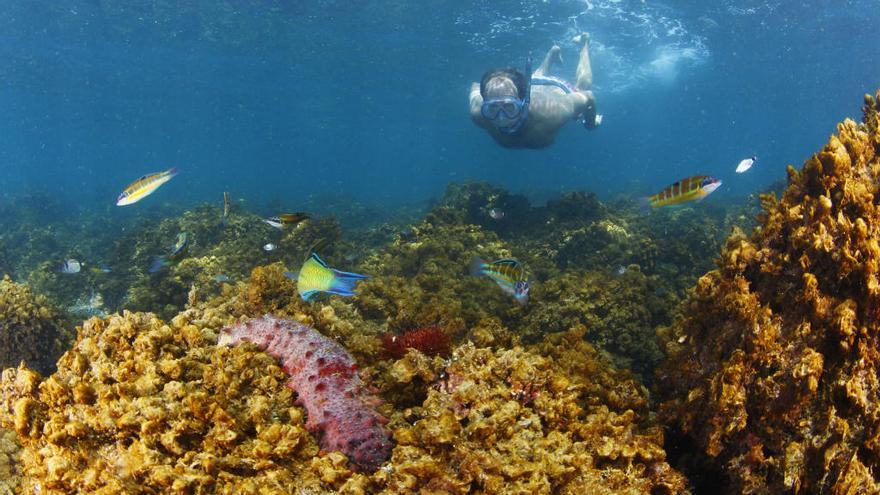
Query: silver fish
{"points": [[71, 266], [274, 222], [269, 247], [496, 214]]}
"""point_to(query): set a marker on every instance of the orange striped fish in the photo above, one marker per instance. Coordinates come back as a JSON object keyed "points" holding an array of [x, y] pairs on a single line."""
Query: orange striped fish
{"points": [[690, 189]]}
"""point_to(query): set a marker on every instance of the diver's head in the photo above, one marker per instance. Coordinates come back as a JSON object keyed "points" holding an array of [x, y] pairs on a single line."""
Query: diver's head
{"points": [[505, 95]]}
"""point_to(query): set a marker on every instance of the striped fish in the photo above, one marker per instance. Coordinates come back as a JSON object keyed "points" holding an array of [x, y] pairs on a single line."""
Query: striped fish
{"points": [[144, 186], [509, 274], [690, 189], [316, 277]]}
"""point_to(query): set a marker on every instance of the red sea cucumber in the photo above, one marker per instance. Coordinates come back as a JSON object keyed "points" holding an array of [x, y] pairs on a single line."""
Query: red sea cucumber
{"points": [[430, 341], [340, 411]]}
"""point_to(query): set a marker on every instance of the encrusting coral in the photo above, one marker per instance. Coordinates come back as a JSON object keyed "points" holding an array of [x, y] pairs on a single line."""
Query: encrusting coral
{"points": [[772, 374]]}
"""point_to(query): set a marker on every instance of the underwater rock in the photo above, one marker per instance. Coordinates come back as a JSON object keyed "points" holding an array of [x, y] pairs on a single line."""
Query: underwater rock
{"points": [[30, 329], [513, 421], [9, 452], [772, 370], [140, 406], [620, 312], [327, 384]]}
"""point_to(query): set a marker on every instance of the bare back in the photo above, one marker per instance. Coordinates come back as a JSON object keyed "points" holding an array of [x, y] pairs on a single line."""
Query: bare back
{"points": [[550, 109]]}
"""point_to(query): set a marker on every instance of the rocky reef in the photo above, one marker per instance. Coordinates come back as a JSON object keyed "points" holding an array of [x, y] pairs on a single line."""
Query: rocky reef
{"points": [[771, 383], [31, 330], [140, 406]]}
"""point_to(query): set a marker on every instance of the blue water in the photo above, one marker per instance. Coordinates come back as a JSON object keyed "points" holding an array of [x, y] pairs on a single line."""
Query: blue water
{"points": [[278, 100]]}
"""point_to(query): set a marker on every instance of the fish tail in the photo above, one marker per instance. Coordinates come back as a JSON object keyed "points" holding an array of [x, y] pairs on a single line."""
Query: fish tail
{"points": [[344, 282], [645, 205], [158, 263], [477, 266]]}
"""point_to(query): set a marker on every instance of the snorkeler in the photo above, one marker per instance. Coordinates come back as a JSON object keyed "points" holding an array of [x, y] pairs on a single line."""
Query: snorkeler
{"points": [[527, 110]]}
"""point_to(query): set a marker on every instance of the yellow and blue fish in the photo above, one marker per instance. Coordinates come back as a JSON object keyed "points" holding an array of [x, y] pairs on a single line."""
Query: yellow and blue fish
{"points": [[315, 277], [509, 274], [691, 189], [144, 186]]}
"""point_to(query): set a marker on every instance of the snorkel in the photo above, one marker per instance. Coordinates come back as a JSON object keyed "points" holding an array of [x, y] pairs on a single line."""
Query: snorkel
{"points": [[509, 108]]}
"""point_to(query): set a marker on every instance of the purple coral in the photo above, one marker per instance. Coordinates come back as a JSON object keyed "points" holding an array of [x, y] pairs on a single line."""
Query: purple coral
{"points": [[340, 410]]}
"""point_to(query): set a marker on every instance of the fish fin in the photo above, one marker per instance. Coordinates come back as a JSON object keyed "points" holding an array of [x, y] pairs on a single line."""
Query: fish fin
{"points": [[348, 275], [157, 263], [307, 295], [645, 205], [341, 292], [343, 285], [477, 265], [313, 255], [291, 275]]}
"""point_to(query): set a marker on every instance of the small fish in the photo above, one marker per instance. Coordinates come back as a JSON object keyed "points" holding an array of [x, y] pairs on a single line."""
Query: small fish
{"points": [[496, 214], [99, 269], [274, 222], [221, 278], [226, 205], [316, 277], [178, 251], [269, 247], [746, 164], [509, 274], [71, 266], [690, 189], [620, 270], [180, 247], [144, 186]]}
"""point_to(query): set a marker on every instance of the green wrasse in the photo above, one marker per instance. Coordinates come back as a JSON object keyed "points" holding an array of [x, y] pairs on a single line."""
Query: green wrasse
{"points": [[316, 277], [144, 186], [690, 189]]}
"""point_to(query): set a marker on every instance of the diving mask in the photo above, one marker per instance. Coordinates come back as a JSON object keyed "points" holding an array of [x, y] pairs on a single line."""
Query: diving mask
{"points": [[510, 106]]}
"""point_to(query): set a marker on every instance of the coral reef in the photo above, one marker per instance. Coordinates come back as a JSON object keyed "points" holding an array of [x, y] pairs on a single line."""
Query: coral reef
{"points": [[31, 330], [327, 384], [771, 383]]}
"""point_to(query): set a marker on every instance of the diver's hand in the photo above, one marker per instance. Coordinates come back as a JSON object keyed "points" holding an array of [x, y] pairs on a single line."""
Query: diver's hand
{"points": [[597, 121]]}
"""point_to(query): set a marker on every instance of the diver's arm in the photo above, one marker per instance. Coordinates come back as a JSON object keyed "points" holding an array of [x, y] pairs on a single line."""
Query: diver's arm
{"points": [[476, 101]]}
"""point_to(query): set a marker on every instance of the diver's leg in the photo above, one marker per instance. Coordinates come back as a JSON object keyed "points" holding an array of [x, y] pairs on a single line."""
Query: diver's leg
{"points": [[584, 70], [553, 55]]}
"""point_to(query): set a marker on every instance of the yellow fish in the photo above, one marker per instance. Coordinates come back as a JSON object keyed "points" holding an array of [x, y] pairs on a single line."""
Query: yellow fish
{"points": [[144, 186], [316, 277]]}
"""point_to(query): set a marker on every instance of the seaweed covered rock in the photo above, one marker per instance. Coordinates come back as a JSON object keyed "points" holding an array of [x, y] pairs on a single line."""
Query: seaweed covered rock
{"points": [[512, 421], [620, 312], [9, 451], [772, 371], [215, 251], [138, 406], [30, 329]]}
